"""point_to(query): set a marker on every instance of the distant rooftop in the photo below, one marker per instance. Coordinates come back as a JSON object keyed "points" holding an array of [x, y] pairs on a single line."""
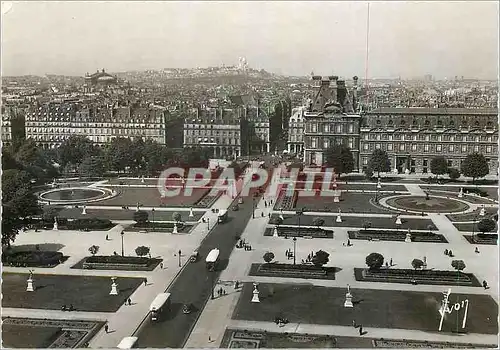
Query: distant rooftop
{"points": [[441, 111]]}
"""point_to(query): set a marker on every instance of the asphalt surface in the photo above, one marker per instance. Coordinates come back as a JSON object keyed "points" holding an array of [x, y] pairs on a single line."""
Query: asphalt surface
{"points": [[193, 286]]}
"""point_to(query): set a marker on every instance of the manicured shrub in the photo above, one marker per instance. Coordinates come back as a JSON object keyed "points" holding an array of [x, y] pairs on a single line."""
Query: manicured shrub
{"points": [[94, 249], [320, 258], [417, 264], [142, 250], [268, 257], [141, 216], [458, 265], [374, 261]]}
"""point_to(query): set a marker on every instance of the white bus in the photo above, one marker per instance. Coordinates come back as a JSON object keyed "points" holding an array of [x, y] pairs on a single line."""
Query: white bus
{"points": [[222, 216], [161, 302], [127, 343], [212, 259]]}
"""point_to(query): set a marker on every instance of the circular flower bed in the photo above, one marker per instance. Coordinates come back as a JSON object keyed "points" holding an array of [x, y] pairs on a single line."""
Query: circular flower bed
{"points": [[430, 205]]}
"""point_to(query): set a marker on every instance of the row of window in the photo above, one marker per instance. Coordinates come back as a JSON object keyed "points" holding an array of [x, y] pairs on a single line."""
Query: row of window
{"points": [[92, 125], [211, 133], [44, 131], [332, 127], [464, 148], [431, 137], [327, 143], [217, 140], [465, 123]]}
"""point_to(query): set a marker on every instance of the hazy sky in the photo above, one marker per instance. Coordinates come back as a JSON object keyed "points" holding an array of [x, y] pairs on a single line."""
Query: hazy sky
{"points": [[406, 39]]}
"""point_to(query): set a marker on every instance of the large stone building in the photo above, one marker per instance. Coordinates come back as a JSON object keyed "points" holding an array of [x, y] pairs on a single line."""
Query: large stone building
{"points": [[51, 124], [99, 79], [12, 124], [330, 120], [413, 136], [295, 143], [218, 129]]}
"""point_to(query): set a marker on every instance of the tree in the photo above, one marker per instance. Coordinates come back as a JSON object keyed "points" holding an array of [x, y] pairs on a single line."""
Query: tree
{"points": [[475, 165], [94, 249], [142, 250], [453, 173], [439, 166], [18, 203], [430, 228], [368, 172], [320, 258], [367, 225], [458, 265], [118, 154], [417, 264], [49, 213], [176, 216], [375, 261], [75, 149], [486, 225], [340, 158], [318, 222], [141, 216], [92, 166], [154, 155], [268, 257], [379, 162]]}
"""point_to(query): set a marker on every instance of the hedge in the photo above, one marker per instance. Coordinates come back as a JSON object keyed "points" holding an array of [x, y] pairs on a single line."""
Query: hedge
{"points": [[117, 259], [33, 258]]}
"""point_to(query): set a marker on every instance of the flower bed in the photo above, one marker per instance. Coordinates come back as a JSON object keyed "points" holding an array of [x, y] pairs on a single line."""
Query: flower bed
{"points": [[305, 232], [207, 200], [33, 258], [398, 236], [489, 239], [406, 344], [88, 224], [390, 275], [292, 271], [117, 262]]}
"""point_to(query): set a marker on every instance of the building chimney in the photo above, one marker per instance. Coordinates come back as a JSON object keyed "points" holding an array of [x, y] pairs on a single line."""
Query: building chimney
{"points": [[355, 93], [341, 91]]}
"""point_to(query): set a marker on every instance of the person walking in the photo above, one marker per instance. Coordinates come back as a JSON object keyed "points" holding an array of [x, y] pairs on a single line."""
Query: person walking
{"points": [[106, 328], [390, 262], [107, 238], [145, 281], [129, 301], [161, 265], [360, 330]]}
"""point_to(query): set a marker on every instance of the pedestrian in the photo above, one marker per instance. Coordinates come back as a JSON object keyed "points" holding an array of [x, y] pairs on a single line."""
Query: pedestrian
{"points": [[386, 264], [348, 242], [161, 265], [145, 281], [106, 328], [262, 214], [476, 250], [149, 254], [269, 215], [390, 263], [107, 238], [343, 244], [360, 330], [286, 253], [354, 323], [129, 301]]}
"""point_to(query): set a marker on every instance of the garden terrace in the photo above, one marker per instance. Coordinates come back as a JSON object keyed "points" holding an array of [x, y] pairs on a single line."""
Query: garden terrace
{"points": [[285, 201], [397, 236], [117, 262], [432, 277], [305, 232], [254, 339], [124, 214], [86, 293], [488, 239], [159, 227], [466, 198], [422, 204], [473, 215], [33, 258], [371, 187], [293, 271], [354, 221], [44, 333], [489, 192], [377, 308], [151, 197], [349, 202]]}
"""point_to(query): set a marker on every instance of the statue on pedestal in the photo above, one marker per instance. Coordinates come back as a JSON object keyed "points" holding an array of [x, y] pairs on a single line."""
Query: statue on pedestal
{"points": [[84, 211], [191, 214], [114, 287], [30, 287], [398, 220], [255, 298], [408, 236], [339, 218], [56, 226], [175, 228], [348, 298]]}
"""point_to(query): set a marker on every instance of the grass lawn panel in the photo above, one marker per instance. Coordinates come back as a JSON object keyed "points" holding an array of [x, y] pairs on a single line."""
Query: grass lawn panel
{"points": [[492, 191], [349, 203], [359, 275], [465, 198], [237, 338], [349, 187], [272, 270], [373, 308], [123, 214], [476, 240], [393, 236], [472, 215], [466, 227], [150, 267], [151, 197], [290, 232], [356, 221], [86, 293], [14, 336]]}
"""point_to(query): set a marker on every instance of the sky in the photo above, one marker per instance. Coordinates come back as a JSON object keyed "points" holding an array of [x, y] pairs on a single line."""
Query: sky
{"points": [[406, 39]]}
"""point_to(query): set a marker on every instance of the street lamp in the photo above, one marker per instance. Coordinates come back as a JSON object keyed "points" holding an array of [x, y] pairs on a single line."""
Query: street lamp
{"points": [[299, 213], [153, 214], [294, 248], [212, 274], [122, 233], [474, 229], [208, 224], [253, 207], [180, 258]]}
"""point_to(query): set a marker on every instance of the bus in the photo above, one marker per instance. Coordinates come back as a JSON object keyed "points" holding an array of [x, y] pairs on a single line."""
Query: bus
{"points": [[222, 216], [127, 343], [161, 302], [212, 259]]}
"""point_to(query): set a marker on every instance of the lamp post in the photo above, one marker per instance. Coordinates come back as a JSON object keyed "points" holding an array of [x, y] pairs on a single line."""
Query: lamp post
{"points": [[253, 208], [180, 258], [474, 229], [153, 214], [299, 214], [212, 274], [294, 248], [122, 234], [208, 224]]}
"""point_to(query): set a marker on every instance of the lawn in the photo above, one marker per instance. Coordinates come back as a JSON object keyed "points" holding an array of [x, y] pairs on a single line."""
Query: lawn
{"points": [[357, 221], [123, 214], [472, 216], [359, 187], [467, 227], [373, 308], [492, 191], [151, 197], [86, 293], [349, 203], [44, 333]]}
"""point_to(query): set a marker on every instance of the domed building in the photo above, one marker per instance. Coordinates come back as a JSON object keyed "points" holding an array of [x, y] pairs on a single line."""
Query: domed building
{"points": [[99, 79]]}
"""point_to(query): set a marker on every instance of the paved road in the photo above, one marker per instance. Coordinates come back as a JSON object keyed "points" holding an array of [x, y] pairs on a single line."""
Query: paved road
{"points": [[194, 285]]}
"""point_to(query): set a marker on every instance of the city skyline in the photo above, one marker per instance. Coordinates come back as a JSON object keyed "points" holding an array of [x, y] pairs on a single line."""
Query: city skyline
{"points": [[289, 38]]}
